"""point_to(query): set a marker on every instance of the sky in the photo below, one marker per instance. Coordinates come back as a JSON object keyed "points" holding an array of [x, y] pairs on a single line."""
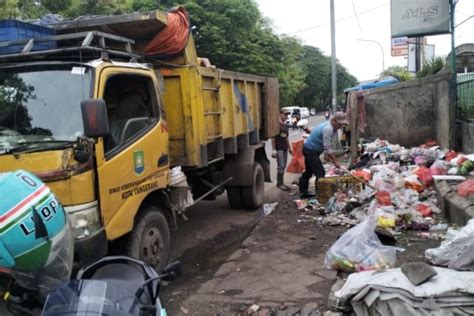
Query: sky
{"points": [[309, 20]]}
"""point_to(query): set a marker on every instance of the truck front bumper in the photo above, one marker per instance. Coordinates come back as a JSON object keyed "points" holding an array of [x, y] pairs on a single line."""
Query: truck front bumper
{"points": [[89, 249]]}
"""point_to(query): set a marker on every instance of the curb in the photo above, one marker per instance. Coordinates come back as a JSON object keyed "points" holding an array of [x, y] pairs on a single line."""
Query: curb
{"points": [[457, 210]]}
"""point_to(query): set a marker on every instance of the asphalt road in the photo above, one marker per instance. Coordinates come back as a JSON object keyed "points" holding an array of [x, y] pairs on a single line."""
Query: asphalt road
{"points": [[208, 219]]}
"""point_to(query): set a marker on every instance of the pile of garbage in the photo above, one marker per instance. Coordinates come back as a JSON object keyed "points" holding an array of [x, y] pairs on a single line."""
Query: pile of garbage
{"points": [[398, 196]]}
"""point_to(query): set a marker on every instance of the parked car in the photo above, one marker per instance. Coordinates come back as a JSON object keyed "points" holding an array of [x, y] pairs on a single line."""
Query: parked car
{"points": [[304, 112]]}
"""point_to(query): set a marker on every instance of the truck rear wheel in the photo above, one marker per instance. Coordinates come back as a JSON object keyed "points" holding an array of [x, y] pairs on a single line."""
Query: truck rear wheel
{"points": [[150, 239], [252, 196], [234, 196]]}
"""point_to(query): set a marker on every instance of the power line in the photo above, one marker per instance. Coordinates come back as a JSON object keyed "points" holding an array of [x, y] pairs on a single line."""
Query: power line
{"points": [[356, 15], [338, 20]]}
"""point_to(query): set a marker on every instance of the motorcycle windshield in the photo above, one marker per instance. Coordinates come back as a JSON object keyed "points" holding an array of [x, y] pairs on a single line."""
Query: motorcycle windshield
{"points": [[89, 298]]}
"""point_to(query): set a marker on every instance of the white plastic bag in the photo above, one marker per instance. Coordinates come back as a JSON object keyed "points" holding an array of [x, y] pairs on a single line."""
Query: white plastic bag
{"points": [[359, 249], [269, 208], [453, 246], [383, 180]]}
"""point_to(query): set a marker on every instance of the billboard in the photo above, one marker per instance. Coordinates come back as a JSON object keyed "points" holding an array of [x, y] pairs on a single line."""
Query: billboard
{"points": [[419, 17]]}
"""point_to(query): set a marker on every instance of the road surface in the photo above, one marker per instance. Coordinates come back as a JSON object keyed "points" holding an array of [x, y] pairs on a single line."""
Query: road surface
{"points": [[210, 218]]}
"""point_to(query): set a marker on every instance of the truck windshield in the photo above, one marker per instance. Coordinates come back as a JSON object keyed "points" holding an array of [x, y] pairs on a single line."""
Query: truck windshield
{"points": [[42, 105]]}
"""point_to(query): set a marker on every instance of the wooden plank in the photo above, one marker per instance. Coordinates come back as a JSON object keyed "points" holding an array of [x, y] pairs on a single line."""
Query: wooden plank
{"points": [[137, 26], [354, 128], [271, 109]]}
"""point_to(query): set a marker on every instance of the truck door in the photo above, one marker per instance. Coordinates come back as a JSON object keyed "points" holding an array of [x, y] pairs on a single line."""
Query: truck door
{"points": [[135, 158]]}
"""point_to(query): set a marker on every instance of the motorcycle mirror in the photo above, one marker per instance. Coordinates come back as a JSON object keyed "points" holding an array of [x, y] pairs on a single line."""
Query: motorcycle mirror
{"points": [[172, 271]]}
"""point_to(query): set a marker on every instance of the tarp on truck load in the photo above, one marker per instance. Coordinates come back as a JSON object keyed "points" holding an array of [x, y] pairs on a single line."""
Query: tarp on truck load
{"points": [[173, 38]]}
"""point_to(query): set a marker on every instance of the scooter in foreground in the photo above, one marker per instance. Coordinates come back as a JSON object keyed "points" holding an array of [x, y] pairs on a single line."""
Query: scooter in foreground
{"points": [[115, 285], [36, 260]]}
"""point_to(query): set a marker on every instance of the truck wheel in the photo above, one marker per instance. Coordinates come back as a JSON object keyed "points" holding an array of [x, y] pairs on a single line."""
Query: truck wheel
{"points": [[234, 196], [252, 196], [150, 239]]}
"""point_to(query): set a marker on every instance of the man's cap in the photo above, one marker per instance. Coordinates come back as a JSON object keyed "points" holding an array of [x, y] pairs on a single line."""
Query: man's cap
{"points": [[285, 111], [340, 117]]}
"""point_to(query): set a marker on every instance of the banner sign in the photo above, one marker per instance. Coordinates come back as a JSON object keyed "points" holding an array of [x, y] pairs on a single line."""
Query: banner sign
{"points": [[419, 17], [399, 46]]}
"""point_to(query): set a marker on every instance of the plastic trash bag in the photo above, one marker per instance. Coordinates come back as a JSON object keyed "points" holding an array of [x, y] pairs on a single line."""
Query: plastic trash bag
{"points": [[269, 208], [412, 182], [439, 168], [383, 180], [424, 209], [383, 197], [297, 162], [334, 206], [424, 174], [453, 171], [466, 188], [366, 175], [450, 155], [359, 249], [421, 161], [456, 162], [453, 247]]}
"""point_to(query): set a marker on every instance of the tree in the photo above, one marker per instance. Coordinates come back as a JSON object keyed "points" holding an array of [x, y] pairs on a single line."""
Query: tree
{"points": [[21, 9], [398, 72], [317, 91], [232, 34]]}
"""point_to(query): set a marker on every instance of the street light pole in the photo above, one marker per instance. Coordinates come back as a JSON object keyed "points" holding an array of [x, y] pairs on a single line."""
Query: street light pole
{"points": [[333, 59], [381, 47]]}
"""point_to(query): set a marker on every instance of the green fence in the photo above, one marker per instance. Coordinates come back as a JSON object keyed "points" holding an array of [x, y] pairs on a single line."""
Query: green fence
{"points": [[465, 83]]}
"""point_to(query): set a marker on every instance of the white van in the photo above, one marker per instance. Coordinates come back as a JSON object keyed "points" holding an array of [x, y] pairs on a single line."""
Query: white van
{"points": [[290, 109], [304, 113]]}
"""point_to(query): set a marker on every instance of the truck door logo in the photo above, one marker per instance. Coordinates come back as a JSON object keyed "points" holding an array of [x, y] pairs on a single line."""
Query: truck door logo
{"points": [[138, 162]]}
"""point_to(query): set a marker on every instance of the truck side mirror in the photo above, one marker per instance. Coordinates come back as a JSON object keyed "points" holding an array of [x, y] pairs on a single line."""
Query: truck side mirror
{"points": [[94, 118]]}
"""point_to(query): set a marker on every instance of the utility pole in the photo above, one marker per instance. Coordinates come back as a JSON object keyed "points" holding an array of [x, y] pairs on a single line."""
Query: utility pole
{"points": [[333, 59], [417, 54], [453, 45]]}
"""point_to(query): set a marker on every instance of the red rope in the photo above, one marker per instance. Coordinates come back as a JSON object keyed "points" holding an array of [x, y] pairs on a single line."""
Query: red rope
{"points": [[173, 38]]}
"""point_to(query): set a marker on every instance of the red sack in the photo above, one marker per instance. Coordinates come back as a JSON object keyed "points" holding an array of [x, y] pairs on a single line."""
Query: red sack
{"points": [[466, 188], [424, 174], [366, 176], [297, 162], [424, 209], [383, 197]]}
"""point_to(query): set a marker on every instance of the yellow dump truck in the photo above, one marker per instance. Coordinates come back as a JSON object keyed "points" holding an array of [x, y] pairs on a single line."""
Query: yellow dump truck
{"points": [[103, 128]]}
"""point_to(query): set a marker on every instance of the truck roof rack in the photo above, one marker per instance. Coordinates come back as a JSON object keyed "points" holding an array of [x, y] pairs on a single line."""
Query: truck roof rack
{"points": [[83, 46]]}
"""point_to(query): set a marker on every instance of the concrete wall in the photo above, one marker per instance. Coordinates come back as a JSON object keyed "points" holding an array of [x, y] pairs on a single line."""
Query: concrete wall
{"points": [[410, 113], [467, 132]]}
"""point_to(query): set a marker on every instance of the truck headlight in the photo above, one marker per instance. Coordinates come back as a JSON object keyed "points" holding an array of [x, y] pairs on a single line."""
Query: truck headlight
{"points": [[84, 219]]}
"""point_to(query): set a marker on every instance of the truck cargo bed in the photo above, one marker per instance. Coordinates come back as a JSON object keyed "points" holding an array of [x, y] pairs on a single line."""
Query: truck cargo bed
{"points": [[213, 112]]}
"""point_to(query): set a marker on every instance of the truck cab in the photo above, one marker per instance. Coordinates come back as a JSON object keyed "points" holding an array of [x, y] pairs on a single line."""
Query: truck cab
{"points": [[42, 131]]}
